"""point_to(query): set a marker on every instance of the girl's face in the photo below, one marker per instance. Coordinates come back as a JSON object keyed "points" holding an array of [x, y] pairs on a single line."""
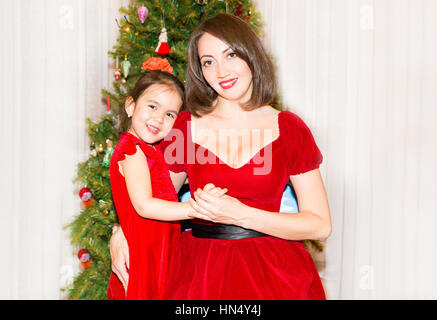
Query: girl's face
{"points": [[154, 113], [225, 72]]}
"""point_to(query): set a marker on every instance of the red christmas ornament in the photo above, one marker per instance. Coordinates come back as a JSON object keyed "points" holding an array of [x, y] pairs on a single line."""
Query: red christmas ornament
{"points": [[117, 68], [85, 194], [117, 73], [84, 257]]}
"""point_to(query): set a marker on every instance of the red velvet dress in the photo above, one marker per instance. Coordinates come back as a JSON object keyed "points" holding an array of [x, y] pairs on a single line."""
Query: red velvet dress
{"points": [[150, 242], [252, 268]]}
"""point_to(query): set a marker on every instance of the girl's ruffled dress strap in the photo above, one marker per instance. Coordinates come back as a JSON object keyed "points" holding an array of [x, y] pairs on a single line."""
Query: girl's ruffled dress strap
{"points": [[128, 146]]}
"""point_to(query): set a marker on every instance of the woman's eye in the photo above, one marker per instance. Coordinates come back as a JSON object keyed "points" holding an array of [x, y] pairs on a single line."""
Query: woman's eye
{"points": [[232, 54], [152, 107], [206, 63]]}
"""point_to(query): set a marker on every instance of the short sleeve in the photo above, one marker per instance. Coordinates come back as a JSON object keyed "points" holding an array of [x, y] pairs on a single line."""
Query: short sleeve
{"points": [[127, 145], [302, 153], [174, 145]]}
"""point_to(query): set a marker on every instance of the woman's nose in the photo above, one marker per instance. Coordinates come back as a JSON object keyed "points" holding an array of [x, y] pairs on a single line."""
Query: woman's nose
{"points": [[222, 70]]}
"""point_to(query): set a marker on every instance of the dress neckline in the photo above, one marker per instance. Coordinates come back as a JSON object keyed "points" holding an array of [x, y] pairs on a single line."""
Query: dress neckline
{"points": [[251, 158]]}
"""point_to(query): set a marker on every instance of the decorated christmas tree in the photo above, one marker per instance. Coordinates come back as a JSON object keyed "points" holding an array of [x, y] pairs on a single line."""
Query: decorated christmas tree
{"points": [[148, 28]]}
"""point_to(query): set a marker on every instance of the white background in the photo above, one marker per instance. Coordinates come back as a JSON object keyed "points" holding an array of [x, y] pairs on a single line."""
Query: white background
{"points": [[362, 74]]}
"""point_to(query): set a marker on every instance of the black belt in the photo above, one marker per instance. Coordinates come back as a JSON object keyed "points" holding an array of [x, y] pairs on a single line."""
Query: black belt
{"points": [[223, 231]]}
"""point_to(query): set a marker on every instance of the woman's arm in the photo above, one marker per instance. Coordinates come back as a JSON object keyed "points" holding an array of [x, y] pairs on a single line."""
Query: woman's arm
{"points": [[313, 220], [137, 176], [119, 251]]}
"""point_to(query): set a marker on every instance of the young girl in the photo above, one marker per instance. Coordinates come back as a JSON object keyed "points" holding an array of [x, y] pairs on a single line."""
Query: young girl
{"points": [[140, 181]]}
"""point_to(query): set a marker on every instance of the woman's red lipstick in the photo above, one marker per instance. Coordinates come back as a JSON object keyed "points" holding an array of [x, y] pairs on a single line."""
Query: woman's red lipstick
{"points": [[228, 83]]}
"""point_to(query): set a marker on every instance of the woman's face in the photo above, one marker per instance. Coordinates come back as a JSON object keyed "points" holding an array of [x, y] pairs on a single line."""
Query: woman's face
{"points": [[225, 72]]}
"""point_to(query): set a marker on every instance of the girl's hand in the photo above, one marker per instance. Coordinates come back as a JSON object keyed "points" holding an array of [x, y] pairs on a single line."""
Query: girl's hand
{"points": [[214, 191], [210, 189], [218, 208]]}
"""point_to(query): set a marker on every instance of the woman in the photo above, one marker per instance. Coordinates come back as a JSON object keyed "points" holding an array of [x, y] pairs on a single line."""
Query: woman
{"points": [[240, 246]]}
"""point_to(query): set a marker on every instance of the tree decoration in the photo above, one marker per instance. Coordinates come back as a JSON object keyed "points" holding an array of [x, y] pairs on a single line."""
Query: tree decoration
{"points": [[117, 69], [238, 11], [129, 26], [100, 148], [88, 203], [163, 48], [125, 67], [108, 153], [108, 104], [85, 194], [143, 12], [84, 258], [93, 151]]}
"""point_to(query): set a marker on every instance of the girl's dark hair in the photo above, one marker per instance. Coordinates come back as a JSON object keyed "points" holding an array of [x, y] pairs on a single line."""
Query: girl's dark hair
{"points": [[150, 77], [245, 43]]}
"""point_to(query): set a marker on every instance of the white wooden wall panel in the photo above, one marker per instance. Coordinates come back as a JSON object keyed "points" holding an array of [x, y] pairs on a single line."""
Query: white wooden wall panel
{"points": [[363, 75], [54, 64]]}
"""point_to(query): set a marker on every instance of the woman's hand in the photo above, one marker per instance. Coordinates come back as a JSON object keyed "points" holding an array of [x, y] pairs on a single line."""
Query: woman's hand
{"points": [[120, 256], [213, 205]]}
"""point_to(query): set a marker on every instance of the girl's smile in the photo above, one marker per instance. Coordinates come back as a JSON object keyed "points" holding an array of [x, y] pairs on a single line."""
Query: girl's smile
{"points": [[153, 129]]}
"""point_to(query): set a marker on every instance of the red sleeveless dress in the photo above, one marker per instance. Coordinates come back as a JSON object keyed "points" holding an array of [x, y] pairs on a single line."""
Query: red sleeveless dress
{"points": [[150, 242], [252, 268]]}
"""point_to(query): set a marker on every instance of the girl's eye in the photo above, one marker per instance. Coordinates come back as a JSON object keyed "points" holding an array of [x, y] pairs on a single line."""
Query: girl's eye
{"points": [[152, 107], [171, 115]]}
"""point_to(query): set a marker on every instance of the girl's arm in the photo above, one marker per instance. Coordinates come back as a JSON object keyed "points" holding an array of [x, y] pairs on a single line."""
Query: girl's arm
{"points": [[119, 248], [313, 220], [137, 175]]}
